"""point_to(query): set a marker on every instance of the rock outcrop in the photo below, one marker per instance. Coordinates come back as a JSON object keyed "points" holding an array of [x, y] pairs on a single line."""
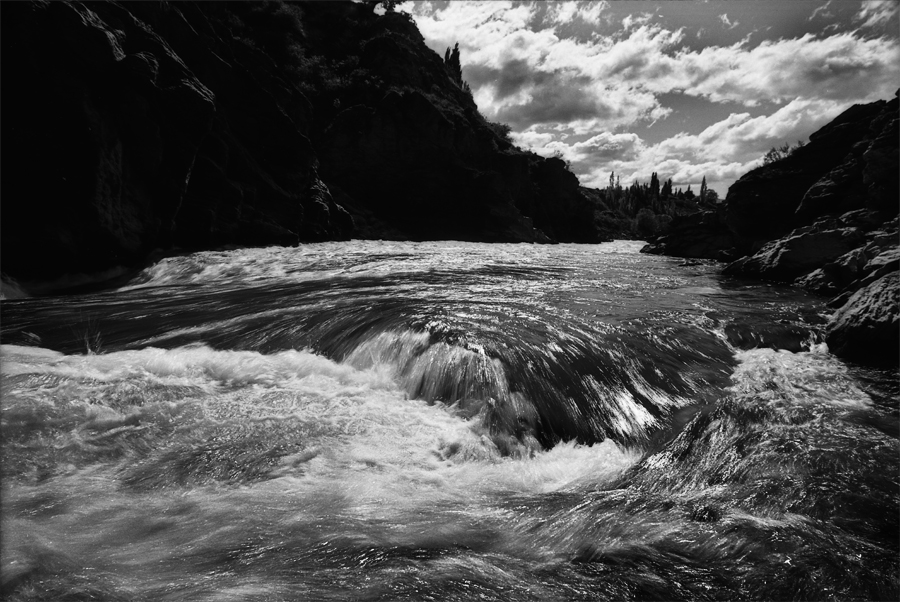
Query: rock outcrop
{"points": [[130, 127], [797, 254], [823, 177], [824, 218], [867, 327]]}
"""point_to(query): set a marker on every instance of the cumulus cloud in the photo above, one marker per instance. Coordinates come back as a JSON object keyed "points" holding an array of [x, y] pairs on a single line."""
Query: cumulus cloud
{"points": [[499, 48], [565, 98], [722, 152], [580, 95], [517, 94], [838, 67]]}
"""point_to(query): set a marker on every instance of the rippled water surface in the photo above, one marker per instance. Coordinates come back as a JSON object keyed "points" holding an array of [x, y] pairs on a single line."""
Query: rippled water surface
{"points": [[441, 421]]}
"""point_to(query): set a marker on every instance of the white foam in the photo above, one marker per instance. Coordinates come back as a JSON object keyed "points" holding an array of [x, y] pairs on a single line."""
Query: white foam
{"points": [[367, 440], [808, 378], [240, 267]]}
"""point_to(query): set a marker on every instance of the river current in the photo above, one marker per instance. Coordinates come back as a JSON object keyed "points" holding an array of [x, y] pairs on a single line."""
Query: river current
{"points": [[441, 421]]}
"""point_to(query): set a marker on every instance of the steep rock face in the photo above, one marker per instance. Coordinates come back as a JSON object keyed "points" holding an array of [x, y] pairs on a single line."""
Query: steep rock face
{"points": [[136, 126], [822, 177], [254, 180], [140, 133], [102, 122], [561, 210], [387, 157], [867, 328], [411, 148]]}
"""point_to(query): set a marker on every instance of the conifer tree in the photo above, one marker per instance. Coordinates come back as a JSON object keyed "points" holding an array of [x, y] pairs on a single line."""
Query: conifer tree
{"points": [[703, 189], [654, 186], [451, 61], [666, 189]]}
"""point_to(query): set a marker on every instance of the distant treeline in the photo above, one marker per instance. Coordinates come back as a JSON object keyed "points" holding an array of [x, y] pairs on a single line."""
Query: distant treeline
{"points": [[645, 209]]}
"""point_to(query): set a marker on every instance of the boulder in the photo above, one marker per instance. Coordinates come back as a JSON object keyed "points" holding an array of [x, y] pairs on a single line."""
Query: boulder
{"points": [[881, 265], [835, 276], [799, 253], [867, 327]]}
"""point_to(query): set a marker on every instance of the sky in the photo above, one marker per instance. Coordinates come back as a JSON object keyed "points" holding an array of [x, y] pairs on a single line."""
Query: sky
{"points": [[685, 89]]}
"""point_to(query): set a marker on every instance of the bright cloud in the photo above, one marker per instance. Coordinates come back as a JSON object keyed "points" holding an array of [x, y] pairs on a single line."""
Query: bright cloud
{"points": [[721, 152], [837, 67], [582, 95]]}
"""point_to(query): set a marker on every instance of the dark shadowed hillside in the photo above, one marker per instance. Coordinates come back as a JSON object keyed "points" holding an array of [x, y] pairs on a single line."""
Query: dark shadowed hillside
{"points": [[130, 127]]}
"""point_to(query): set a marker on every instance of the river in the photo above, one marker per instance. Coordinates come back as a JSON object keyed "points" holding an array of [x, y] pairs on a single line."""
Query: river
{"points": [[372, 420]]}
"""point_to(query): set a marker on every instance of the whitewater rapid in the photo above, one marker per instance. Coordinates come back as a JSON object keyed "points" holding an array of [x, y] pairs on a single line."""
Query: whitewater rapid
{"points": [[449, 421]]}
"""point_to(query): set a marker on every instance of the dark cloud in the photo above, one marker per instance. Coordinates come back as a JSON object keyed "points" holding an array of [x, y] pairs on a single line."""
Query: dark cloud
{"points": [[556, 97], [561, 101], [507, 81]]}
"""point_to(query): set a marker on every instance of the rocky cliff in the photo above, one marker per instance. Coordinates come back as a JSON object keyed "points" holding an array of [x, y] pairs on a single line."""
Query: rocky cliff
{"points": [[130, 127], [824, 218]]}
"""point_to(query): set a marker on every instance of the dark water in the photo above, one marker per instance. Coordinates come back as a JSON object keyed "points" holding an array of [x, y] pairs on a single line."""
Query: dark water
{"points": [[441, 421]]}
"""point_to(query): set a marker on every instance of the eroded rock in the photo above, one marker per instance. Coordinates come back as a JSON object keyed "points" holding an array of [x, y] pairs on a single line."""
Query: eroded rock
{"points": [[801, 252], [867, 327]]}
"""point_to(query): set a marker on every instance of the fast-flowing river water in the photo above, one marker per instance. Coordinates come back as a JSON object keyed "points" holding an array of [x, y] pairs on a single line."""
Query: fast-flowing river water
{"points": [[441, 421]]}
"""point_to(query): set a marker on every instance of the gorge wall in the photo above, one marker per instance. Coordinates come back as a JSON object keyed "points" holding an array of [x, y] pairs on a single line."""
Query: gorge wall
{"points": [[134, 127], [825, 218]]}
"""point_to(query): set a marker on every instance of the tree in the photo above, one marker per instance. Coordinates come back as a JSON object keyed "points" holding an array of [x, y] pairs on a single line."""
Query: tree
{"points": [[451, 61], [704, 191], [779, 153], [666, 191], [501, 129], [646, 222], [654, 186]]}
